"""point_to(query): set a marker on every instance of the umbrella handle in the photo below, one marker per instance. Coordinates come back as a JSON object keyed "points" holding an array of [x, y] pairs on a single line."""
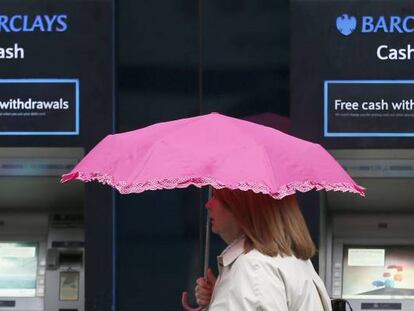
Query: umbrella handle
{"points": [[186, 306], [184, 297]]}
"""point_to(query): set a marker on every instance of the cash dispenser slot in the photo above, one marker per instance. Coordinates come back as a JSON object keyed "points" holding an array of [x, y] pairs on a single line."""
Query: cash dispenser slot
{"points": [[63, 258], [71, 258]]}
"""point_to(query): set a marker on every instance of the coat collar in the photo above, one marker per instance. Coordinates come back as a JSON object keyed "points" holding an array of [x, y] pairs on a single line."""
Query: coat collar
{"points": [[232, 252]]}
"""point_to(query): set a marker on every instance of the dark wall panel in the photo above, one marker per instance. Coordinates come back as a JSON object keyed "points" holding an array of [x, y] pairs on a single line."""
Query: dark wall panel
{"points": [[245, 71]]}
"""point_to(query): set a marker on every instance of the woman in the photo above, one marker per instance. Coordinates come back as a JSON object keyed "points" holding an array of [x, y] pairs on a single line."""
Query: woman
{"points": [[266, 265]]}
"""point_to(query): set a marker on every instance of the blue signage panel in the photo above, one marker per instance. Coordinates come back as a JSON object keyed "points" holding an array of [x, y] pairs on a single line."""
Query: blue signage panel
{"points": [[369, 108], [39, 107], [55, 55], [352, 73]]}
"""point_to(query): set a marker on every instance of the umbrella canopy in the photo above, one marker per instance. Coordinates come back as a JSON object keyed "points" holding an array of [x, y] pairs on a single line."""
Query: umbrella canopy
{"points": [[214, 150]]}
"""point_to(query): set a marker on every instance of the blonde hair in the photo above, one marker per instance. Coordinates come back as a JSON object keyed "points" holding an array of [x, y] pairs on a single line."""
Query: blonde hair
{"points": [[273, 227]]}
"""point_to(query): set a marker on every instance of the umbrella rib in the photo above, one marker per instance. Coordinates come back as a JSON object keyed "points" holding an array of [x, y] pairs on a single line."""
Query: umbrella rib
{"points": [[155, 145], [268, 162]]}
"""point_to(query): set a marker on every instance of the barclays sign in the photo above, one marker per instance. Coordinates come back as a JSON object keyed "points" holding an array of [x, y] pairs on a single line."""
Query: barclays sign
{"points": [[347, 24], [33, 23]]}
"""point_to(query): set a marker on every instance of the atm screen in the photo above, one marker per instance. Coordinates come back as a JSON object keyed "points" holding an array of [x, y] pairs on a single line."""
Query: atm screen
{"points": [[18, 269], [378, 272]]}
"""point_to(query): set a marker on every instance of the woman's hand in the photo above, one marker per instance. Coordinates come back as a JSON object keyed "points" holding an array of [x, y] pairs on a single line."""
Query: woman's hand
{"points": [[204, 289]]}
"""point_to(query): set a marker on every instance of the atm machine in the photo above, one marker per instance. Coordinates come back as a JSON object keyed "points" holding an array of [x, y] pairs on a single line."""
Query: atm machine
{"points": [[367, 244], [41, 262], [41, 231]]}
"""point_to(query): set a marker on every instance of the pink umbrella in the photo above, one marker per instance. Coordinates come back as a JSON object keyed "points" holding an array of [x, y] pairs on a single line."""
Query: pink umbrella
{"points": [[214, 150]]}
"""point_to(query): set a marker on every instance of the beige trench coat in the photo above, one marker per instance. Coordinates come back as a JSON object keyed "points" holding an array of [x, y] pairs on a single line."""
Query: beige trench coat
{"points": [[256, 282]]}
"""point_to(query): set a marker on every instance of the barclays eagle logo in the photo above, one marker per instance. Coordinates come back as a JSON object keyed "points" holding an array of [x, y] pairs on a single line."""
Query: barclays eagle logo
{"points": [[346, 24]]}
